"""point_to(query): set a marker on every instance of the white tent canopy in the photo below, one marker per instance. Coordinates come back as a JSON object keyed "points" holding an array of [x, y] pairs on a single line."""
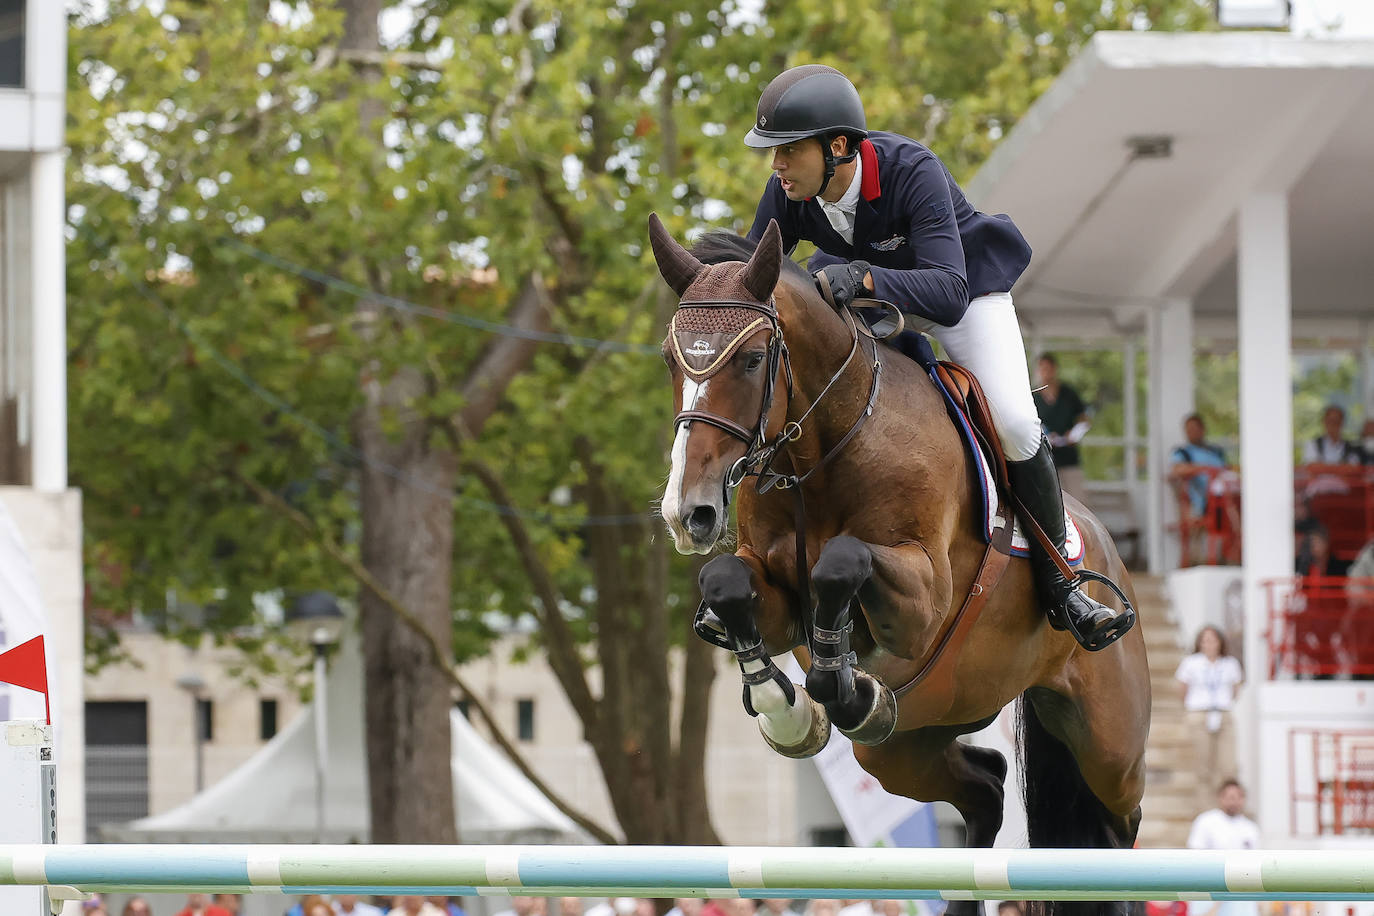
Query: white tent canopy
{"points": [[271, 797]]}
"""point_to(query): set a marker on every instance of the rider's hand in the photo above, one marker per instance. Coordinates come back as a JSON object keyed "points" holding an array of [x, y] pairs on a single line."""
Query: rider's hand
{"points": [[846, 281]]}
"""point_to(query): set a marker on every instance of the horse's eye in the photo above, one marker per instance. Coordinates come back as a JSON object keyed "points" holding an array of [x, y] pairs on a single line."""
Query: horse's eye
{"points": [[755, 360]]}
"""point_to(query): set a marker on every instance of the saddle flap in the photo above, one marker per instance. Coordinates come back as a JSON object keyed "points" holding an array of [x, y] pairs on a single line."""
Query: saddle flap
{"points": [[966, 396]]}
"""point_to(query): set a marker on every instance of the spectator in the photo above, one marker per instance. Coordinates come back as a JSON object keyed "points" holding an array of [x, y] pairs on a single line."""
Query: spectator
{"points": [[1314, 554], [904, 908], [778, 908], [350, 905], [572, 906], [1066, 422], [618, 906], [1332, 448], [823, 907], [231, 902], [1367, 440], [1190, 462], [1357, 629], [1011, 908], [319, 907], [305, 905], [529, 906], [449, 907], [136, 906], [1226, 827], [1210, 678], [1362, 568], [414, 905], [200, 905], [741, 906]]}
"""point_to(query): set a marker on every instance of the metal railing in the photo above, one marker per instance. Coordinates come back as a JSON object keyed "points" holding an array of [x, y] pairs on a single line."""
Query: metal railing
{"points": [[1320, 627], [1332, 776]]}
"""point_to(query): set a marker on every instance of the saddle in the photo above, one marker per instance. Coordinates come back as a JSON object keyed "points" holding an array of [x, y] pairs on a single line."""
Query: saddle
{"points": [[967, 406]]}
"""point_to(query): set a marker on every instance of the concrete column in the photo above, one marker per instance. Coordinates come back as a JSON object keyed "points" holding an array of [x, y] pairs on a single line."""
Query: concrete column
{"points": [[48, 265], [1130, 412], [1170, 344], [1264, 311]]}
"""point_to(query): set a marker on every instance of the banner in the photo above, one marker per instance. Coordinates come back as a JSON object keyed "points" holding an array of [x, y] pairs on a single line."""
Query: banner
{"points": [[22, 618]]}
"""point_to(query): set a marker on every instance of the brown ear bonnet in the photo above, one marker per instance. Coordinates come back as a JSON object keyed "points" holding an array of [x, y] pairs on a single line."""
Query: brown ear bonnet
{"points": [[721, 306]]}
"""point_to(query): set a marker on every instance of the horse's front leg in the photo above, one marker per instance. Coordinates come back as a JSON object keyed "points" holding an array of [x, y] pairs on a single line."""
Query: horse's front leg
{"points": [[791, 722], [859, 704]]}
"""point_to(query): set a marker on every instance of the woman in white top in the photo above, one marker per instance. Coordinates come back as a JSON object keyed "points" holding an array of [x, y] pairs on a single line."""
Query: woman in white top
{"points": [[1210, 679]]}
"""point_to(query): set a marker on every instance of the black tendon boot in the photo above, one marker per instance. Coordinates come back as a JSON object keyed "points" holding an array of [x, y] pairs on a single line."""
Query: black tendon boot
{"points": [[1036, 484]]}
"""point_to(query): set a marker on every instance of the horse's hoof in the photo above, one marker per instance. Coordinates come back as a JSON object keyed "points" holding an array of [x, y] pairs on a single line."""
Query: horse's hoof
{"points": [[880, 721], [816, 737]]}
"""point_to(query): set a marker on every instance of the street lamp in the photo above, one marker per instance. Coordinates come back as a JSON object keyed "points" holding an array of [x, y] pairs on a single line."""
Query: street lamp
{"points": [[315, 617], [194, 684]]}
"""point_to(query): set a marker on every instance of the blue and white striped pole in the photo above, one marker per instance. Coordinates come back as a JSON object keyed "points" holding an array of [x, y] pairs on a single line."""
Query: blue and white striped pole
{"points": [[653, 871]]}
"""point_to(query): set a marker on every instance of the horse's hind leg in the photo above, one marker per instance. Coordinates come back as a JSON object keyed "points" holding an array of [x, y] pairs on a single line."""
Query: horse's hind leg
{"points": [[858, 704], [930, 764], [793, 723]]}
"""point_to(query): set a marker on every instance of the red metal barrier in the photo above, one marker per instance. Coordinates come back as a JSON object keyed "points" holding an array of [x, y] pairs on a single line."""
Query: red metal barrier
{"points": [[1215, 534], [1336, 795], [1321, 627], [1341, 497]]}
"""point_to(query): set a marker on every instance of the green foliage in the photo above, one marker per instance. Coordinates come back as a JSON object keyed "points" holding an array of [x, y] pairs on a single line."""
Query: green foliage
{"points": [[205, 135]]}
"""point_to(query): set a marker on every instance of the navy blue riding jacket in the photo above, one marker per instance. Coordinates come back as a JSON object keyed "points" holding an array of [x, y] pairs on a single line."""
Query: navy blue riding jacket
{"points": [[931, 251]]}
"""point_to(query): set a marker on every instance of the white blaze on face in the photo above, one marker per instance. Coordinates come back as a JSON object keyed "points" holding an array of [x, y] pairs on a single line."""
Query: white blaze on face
{"points": [[672, 496]]}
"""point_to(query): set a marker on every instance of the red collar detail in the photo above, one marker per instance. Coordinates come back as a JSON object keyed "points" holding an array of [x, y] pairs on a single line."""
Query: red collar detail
{"points": [[869, 188]]}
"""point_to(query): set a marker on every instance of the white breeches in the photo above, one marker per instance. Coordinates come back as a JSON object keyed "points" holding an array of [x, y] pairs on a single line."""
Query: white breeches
{"points": [[987, 342]]}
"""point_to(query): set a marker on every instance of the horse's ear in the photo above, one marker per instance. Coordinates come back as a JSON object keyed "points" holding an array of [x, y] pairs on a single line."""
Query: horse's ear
{"points": [[678, 265], [761, 273]]}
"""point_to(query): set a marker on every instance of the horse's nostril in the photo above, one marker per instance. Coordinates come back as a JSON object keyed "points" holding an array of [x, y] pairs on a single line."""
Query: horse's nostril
{"points": [[701, 521]]}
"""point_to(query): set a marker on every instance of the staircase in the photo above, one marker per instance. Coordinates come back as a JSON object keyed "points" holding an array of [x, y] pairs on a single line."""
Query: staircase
{"points": [[1168, 807]]}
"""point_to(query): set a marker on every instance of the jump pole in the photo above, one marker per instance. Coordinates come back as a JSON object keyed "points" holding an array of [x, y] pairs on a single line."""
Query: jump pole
{"points": [[659, 871]]}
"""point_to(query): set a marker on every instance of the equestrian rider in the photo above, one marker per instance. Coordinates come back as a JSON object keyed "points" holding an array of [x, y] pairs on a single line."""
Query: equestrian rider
{"points": [[891, 223]]}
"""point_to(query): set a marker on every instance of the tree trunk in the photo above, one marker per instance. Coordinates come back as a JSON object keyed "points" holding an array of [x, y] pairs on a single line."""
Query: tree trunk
{"points": [[655, 778], [407, 544]]}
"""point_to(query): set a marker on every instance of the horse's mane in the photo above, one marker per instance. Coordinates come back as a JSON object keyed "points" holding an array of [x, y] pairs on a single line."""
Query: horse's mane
{"points": [[720, 245]]}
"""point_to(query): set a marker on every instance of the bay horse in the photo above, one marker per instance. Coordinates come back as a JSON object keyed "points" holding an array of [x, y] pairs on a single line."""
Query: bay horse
{"points": [[772, 382]]}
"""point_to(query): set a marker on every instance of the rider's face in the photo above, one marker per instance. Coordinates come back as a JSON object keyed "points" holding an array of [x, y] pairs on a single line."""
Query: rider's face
{"points": [[800, 167]]}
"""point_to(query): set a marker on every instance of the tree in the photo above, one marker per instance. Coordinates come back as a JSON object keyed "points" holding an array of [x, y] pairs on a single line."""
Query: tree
{"points": [[287, 231]]}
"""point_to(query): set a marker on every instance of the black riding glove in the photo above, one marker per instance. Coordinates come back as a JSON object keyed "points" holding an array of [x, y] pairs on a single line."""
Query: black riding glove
{"points": [[846, 281]]}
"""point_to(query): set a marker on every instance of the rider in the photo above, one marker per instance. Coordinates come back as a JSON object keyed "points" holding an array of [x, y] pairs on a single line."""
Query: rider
{"points": [[891, 223]]}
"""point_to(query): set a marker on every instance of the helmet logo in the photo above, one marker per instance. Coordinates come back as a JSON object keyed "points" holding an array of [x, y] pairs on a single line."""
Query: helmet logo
{"points": [[763, 120]]}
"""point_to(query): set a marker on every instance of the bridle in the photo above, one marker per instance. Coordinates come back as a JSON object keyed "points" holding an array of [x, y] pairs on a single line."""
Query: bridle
{"points": [[760, 450]]}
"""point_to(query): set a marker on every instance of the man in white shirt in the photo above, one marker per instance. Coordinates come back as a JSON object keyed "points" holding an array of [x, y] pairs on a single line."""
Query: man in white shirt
{"points": [[1226, 827]]}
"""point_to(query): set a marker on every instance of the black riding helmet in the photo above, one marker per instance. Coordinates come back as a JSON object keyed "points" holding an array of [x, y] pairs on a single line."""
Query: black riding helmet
{"points": [[810, 101]]}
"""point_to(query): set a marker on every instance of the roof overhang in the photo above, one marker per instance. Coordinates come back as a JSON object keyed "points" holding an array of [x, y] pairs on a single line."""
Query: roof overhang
{"points": [[1118, 231]]}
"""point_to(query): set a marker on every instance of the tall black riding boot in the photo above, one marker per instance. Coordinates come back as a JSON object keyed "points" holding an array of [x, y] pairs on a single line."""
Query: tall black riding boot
{"points": [[1036, 484]]}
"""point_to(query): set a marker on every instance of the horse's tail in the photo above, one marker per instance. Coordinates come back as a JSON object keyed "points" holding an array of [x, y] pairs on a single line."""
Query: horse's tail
{"points": [[1061, 811]]}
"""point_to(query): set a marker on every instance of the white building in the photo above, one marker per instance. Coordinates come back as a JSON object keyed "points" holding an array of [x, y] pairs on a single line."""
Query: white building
{"points": [[33, 385], [1180, 185]]}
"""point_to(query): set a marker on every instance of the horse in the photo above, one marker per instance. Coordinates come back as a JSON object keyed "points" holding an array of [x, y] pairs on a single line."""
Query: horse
{"points": [[877, 485]]}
